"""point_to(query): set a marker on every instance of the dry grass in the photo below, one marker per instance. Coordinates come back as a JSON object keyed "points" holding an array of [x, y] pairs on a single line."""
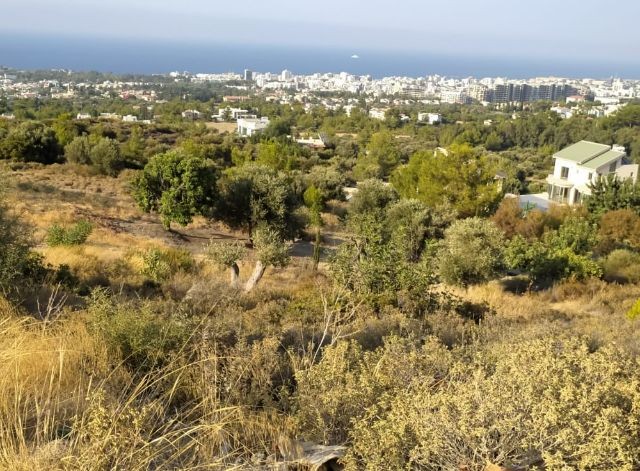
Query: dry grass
{"points": [[594, 297], [222, 127], [44, 375], [66, 403]]}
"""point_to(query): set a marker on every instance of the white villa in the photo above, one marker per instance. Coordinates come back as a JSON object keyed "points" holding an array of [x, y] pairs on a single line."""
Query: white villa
{"points": [[233, 113], [250, 126], [583, 163], [431, 118]]}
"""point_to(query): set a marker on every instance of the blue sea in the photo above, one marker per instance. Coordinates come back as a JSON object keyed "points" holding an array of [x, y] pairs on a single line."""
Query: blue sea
{"points": [[147, 56]]}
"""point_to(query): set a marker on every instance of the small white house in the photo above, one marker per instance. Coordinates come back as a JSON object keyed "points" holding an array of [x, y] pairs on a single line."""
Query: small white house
{"points": [[561, 111], [581, 164], [378, 113], [250, 126], [191, 114], [233, 113], [431, 118]]}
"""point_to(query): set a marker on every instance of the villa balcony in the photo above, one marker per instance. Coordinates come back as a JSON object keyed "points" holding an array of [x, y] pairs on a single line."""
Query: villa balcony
{"points": [[559, 189]]}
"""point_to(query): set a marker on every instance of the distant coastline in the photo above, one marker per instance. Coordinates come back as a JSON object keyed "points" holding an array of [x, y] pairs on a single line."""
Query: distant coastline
{"points": [[148, 57]]}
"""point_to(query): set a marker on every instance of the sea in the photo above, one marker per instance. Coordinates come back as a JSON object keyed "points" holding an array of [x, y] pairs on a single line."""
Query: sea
{"points": [[142, 56]]}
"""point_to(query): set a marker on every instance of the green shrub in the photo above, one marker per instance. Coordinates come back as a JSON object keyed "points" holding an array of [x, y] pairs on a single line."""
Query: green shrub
{"points": [[159, 265], [78, 151], [155, 266], [56, 235], [471, 252], [75, 235], [143, 338], [561, 254], [30, 142], [17, 261], [106, 157], [622, 266]]}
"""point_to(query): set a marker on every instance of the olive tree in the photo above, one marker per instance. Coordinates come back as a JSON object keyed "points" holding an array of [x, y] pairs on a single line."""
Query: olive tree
{"points": [[472, 252], [269, 250], [177, 186], [227, 255], [254, 194]]}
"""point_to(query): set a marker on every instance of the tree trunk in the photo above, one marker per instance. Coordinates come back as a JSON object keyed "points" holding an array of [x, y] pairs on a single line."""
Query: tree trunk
{"points": [[256, 276], [316, 249], [234, 275]]}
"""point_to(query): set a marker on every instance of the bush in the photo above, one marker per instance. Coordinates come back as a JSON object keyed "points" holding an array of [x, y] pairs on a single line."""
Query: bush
{"points": [[17, 260], [106, 157], [344, 387], [634, 312], [143, 338], [547, 260], [577, 234], [513, 220], [30, 142], [618, 229], [622, 266], [508, 216], [75, 235], [159, 265], [471, 252], [78, 151], [540, 404]]}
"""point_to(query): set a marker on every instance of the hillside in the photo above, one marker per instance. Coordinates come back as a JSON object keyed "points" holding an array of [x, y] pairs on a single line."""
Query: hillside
{"points": [[113, 370]]}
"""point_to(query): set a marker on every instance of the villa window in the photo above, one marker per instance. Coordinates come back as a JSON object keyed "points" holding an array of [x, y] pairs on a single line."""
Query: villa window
{"points": [[590, 176], [612, 167], [564, 173]]}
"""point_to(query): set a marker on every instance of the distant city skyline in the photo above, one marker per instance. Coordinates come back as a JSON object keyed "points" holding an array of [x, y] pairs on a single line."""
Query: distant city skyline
{"points": [[575, 30]]}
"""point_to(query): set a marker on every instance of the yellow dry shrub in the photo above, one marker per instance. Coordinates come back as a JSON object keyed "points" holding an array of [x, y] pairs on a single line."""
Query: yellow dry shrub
{"points": [[542, 404], [341, 388]]}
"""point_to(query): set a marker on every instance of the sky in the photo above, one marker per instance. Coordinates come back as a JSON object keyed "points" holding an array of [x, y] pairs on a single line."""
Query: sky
{"points": [[554, 29]]}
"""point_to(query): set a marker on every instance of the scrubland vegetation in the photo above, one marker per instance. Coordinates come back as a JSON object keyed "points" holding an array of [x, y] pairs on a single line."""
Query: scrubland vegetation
{"points": [[196, 301]]}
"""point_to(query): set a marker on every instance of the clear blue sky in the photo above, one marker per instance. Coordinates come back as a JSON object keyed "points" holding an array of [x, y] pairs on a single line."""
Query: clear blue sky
{"points": [[575, 29]]}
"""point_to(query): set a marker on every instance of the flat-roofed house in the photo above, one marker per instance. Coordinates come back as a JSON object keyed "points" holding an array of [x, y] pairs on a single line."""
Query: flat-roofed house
{"points": [[581, 164], [250, 126]]}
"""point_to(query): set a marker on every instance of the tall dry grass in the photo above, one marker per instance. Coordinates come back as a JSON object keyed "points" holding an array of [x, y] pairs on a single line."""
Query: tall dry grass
{"points": [[67, 403]]}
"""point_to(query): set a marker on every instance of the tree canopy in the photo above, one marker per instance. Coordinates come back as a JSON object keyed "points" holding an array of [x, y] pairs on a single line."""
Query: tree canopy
{"points": [[254, 194], [30, 142], [178, 186], [462, 176]]}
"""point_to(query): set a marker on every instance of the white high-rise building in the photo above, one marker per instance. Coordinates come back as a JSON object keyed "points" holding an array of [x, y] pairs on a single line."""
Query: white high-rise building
{"points": [[286, 75]]}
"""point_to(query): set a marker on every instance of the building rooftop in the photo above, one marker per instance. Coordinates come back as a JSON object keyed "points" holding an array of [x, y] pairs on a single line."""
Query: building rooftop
{"points": [[603, 159], [583, 151]]}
